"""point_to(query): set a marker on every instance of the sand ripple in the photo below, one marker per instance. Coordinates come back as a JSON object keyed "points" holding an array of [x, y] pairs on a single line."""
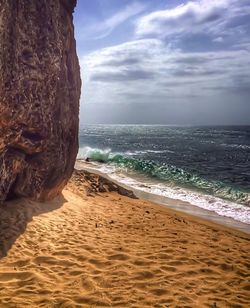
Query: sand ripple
{"points": [[112, 251]]}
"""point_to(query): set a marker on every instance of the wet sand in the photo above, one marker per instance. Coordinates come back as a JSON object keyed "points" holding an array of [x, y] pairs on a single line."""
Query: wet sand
{"points": [[178, 205], [93, 247]]}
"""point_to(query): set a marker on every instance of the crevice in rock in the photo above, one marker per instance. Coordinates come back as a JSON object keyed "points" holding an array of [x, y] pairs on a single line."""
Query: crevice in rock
{"points": [[16, 150], [11, 193], [26, 55], [34, 137]]}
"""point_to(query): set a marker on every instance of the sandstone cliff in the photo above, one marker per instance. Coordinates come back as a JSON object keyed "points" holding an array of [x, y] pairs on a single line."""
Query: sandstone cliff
{"points": [[39, 97]]}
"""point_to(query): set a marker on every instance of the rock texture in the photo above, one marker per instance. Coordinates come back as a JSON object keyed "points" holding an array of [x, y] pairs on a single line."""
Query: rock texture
{"points": [[39, 97], [86, 183]]}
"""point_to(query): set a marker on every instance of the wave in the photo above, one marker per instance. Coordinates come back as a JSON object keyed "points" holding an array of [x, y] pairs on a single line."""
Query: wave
{"points": [[236, 146], [208, 202], [171, 175], [94, 154]]}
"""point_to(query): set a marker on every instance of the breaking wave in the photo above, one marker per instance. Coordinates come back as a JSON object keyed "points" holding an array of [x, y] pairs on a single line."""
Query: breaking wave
{"points": [[169, 174]]}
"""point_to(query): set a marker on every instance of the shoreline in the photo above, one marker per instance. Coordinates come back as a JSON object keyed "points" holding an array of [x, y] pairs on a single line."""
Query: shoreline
{"points": [[173, 204], [97, 245]]}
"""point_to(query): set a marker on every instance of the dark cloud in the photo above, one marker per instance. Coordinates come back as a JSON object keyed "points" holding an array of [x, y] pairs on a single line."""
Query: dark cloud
{"points": [[125, 75], [242, 22], [197, 42], [213, 16], [196, 71], [179, 83], [239, 86], [120, 62], [191, 60]]}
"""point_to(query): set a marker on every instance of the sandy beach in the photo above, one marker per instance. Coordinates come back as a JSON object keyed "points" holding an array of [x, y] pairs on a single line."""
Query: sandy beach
{"points": [[94, 246]]}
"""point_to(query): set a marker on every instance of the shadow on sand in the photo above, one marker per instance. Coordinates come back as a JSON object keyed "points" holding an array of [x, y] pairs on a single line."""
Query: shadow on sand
{"points": [[16, 214]]}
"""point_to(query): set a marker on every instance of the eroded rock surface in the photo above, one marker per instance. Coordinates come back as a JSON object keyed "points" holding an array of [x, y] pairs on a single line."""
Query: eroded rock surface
{"points": [[39, 97], [86, 183]]}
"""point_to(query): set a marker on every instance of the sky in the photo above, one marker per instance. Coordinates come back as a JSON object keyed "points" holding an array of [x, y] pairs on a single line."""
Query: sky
{"points": [[164, 61]]}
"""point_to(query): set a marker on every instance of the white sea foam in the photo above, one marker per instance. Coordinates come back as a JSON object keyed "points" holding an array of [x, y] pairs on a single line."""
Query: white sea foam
{"points": [[222, 207], [208, 202], [134, 153], [236, 146], [95, 153]]}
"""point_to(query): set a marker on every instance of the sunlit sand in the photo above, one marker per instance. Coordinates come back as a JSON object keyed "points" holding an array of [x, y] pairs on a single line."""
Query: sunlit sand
{"points": [[107, 250]]}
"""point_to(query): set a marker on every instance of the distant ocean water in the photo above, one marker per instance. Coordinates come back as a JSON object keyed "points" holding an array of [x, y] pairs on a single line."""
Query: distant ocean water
{"points": [[208, 167]]}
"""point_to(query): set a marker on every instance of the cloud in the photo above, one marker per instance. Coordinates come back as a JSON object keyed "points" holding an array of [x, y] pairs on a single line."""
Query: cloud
{"points": [[124, 52], [104, 28], [147, 70], [184, 18], [120, 62], [213, 21], [123, 75], [218, 39], [192, 59]]}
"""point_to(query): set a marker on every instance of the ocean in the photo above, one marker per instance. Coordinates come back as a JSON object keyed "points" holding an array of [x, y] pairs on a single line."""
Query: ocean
{"points": [[208, 167]]}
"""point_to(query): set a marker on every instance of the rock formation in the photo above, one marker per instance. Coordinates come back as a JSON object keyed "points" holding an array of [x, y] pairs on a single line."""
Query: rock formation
{"points": [[39, 97], [84, 183]]}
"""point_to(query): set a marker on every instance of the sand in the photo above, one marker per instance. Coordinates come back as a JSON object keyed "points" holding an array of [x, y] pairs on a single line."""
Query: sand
{"points": [[93, 249]]}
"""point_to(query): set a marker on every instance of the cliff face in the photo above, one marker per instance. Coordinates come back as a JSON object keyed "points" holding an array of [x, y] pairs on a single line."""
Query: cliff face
{"points": [[39, 97]]}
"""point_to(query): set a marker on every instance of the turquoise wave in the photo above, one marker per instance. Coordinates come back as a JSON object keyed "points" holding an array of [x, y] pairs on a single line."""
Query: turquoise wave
{"points": [[171, 174]]}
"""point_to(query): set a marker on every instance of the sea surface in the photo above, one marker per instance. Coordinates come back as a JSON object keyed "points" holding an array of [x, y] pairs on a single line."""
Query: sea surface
{"points": [[208, 167]]}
